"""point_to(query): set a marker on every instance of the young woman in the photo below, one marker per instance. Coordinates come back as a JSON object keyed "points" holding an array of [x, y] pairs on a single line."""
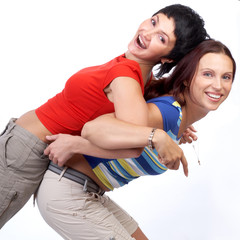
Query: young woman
{"points": [[73, 204], [164, 38]]}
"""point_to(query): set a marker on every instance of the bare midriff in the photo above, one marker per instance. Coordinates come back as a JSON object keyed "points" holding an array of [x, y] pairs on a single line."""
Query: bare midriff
{"points": [[31, 123]]}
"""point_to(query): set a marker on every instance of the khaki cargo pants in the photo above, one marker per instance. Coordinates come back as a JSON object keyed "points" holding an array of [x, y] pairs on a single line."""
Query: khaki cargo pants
{"points": [[79, 215], [22, 166]]}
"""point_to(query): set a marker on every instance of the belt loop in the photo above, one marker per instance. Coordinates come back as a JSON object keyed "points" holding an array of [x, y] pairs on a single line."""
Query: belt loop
{"points": [[101, 192], [11, 124], [85, 185], [62, 173]]}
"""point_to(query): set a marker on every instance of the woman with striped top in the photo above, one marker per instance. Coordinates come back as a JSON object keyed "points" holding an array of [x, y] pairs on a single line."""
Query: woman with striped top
{"points": [[74, 204]]}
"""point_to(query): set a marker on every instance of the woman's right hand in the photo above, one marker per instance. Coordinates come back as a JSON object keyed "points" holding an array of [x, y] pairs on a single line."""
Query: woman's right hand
{"points": [[169, 153], [60, 150]]}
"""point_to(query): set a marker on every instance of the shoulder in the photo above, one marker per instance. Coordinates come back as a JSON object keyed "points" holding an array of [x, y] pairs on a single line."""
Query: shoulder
{"points": [[124, 65], [170, 109], [124, 68], [165, 102]]}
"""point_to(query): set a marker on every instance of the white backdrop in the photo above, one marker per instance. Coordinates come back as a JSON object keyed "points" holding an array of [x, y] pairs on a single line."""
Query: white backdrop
{"points": [[44, 42]]}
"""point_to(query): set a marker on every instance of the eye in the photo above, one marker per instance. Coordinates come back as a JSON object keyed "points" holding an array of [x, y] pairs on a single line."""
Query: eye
{"points": [[227, 77], [153, 22], [162, 39], [207, 74]]}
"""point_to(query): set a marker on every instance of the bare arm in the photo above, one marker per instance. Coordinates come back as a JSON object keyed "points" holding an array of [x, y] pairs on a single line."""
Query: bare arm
{"points": [[109, 132], [129, 103], [131, 108], [64, 146]]}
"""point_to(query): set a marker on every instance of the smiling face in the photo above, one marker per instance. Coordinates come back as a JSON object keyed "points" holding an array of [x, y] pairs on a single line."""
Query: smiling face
{"points": [[154, 39], [212, 81]]}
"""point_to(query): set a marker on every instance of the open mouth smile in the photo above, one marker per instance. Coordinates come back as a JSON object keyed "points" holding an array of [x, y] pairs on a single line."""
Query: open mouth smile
{"points": [[214, 96], [140, 42]]}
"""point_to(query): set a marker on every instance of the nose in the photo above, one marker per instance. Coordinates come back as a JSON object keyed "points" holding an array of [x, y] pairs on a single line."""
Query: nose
{"points": [[148, 34], [217, 83]]}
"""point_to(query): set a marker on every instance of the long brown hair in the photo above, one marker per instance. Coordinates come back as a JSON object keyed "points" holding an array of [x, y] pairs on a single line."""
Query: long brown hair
{"points": [[183, 73]]}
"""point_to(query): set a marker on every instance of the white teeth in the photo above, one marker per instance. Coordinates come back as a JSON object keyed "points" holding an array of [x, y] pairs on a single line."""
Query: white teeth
{"points": [[214, 96], [141, 42]]}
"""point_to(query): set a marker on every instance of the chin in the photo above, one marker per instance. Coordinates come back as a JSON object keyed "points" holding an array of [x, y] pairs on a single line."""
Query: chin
{"points": [[214, 108]]}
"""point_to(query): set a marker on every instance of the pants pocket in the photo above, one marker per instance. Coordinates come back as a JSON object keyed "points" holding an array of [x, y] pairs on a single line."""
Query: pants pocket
{"points": [[3, 145], [14, 195], [15, 152], [5, 203]]}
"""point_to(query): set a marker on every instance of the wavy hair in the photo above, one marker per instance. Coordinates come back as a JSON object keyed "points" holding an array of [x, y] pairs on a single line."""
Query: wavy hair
{"points": [[183, 73]]}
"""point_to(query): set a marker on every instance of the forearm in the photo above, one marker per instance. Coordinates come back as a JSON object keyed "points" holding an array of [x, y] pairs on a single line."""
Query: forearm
{"points": [[110, 133], [83, 146], [64, 146], [168, 151]]}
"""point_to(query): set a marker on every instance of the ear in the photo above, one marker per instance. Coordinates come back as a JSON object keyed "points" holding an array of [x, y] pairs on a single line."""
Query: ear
{"points": [[166, 60], [185, 83]]}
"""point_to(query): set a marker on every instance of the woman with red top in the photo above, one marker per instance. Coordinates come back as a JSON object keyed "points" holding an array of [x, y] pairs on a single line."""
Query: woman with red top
{"points": [[116, 86]]}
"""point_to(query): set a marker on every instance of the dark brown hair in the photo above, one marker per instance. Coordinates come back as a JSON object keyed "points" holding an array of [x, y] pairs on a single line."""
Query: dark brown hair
{"points": [[183, 73]]}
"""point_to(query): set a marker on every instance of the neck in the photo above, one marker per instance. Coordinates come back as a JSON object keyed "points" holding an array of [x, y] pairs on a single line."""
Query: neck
{"points": [[146, 67], [191, 113]]}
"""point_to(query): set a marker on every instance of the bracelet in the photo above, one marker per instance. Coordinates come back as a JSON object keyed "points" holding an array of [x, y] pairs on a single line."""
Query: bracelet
{"points": [[150, 138]]}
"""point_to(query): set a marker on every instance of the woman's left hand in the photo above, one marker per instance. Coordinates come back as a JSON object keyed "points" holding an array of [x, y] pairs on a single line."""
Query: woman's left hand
{"points": [[189, 135]]}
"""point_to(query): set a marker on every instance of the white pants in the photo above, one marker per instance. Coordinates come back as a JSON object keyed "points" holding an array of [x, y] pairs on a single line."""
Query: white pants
{"points": [[78, 215]]}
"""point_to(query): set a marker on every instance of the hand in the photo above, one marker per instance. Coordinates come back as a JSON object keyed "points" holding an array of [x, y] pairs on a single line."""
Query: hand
{"points": [[59, 151], [188, 135], [169, 153]]}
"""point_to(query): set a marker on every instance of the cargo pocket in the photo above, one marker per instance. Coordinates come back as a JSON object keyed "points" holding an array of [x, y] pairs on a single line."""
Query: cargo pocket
{"points": [[3, 145], [14, 194], [15, 152], [5, 204]]}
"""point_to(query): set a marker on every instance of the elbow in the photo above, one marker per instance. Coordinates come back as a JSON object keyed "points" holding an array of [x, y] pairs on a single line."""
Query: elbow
{"points": [[85, 131], [137, 152]]}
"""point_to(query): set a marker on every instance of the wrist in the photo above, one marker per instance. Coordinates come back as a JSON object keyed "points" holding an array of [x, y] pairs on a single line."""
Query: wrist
{"points": [[158, 137], [76, 145], [150, 139]]}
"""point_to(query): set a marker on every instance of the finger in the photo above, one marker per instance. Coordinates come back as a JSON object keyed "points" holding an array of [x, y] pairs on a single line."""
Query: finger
{"points": [[55, 161], [50, 156], [188, 137], [192, 128], [188, 140], [52, 137], [161, 161], [183, 140], [47, 151], [173, 165], [185, 165], [176, 165], [60, 164], [195, 137]]}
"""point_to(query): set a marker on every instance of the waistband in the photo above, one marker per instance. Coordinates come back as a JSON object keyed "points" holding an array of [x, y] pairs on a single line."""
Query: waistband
{"points": [[30, 139], [88, 184]]}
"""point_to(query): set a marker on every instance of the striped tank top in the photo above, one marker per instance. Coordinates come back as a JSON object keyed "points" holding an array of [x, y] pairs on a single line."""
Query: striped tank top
{"points": [[115, 173]]}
